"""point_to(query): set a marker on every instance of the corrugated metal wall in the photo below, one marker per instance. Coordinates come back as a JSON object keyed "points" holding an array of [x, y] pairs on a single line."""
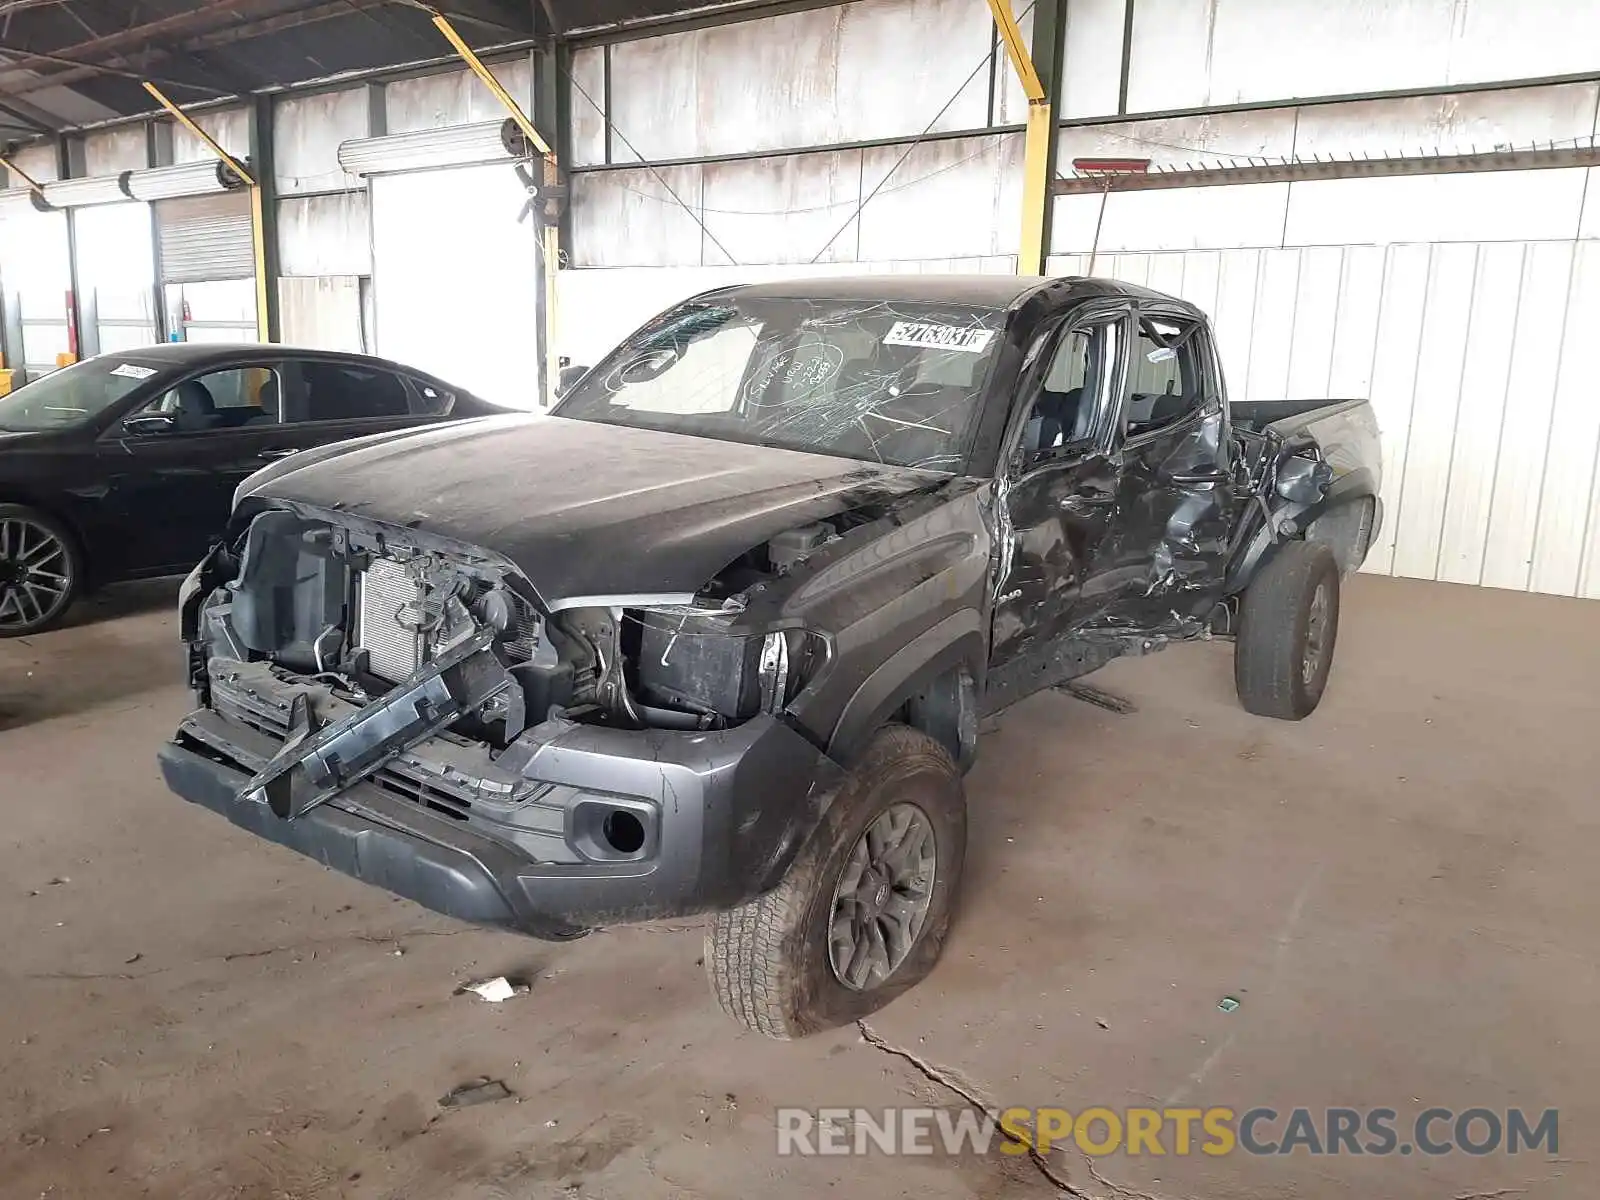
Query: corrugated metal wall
{"points": [[1476, 358]]}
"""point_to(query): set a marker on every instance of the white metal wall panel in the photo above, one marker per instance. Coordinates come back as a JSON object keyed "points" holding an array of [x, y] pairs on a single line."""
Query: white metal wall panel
{"points": [[455, 97], [1474, 436], [1214, 218], [1561, 536], [323, 313], [1179, 141], [588, 95], [38, 162], [205, 238], [1476, 360], [325, 235], [851, 72], [306, 134], [1487, 206], [783, 209], [1091, 73], [1460, 123], [112, 151], [637, 218], [1424, 482], [229, 127], [957, 197], [465, 306], [1188, 54], [1536, 355]]}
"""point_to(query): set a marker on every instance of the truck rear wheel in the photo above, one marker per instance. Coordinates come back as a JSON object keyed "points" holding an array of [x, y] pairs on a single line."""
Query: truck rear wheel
{"points": [[863, 913], [1288, 623]]}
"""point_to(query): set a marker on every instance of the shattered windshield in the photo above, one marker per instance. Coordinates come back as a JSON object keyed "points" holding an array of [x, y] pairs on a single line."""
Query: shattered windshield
{"points": [[875, 380]]}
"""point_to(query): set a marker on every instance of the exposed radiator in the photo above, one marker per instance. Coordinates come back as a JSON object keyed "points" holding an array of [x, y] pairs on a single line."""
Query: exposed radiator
{"points": [[384, 591]]}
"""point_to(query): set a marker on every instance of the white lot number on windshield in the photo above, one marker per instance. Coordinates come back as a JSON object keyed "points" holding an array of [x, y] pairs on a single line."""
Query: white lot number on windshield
{"points": [[932, 336]]}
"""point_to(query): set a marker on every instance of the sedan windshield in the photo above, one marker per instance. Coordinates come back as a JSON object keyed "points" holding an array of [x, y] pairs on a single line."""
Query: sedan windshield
{"points": [[71, 397], [875, 380]]}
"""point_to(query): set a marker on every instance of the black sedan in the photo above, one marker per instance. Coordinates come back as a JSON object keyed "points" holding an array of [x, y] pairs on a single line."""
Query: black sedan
{"points": [[124, 466]]}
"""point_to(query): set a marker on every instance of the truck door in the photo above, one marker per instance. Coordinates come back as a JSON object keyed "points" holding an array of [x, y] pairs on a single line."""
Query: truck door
{"points": [[1176, 503], [1059, 491]]}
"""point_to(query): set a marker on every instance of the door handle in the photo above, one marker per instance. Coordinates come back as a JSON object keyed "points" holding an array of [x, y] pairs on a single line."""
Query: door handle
{"points": [[277, 453]]}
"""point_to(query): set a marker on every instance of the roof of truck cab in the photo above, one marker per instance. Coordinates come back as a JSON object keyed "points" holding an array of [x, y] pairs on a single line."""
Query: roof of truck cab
{"points": [[989, 291]]}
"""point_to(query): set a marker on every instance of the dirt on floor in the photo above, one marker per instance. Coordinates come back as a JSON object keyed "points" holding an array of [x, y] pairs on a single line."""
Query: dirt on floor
{"points": [[1393, 905]]}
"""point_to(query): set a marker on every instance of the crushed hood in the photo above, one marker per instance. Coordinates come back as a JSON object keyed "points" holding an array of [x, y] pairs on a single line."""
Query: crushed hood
{"points": [[585, 509]]}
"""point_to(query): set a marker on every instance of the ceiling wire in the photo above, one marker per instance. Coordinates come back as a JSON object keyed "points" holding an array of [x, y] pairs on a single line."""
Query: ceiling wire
{"points": [[854, 216], [983, 64], [658, 176], [811, 208]]}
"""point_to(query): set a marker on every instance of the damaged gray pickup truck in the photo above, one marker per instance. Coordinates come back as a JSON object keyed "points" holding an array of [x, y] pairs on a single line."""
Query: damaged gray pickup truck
{"points": [[717, 634]]}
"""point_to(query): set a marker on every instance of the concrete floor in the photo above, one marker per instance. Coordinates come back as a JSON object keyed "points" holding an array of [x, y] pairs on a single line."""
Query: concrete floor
{"points": [[1401, 892]]}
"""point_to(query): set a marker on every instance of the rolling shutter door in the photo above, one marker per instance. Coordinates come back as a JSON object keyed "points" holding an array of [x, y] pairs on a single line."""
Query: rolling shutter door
{"points": [[205, 238]]}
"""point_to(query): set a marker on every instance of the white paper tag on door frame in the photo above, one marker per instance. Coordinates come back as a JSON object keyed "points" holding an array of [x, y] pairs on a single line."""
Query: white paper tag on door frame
{"points": [[929, 335]]}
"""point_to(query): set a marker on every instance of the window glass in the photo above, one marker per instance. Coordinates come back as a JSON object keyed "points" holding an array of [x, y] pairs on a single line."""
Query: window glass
{"points": [[430, 400], [71, 397], [347, 392], [230, 399], [1164, 376], [1080, 373]]}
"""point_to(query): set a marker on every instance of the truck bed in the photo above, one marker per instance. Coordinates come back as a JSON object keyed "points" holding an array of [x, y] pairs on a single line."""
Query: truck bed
{"points": [[1286, 417]]}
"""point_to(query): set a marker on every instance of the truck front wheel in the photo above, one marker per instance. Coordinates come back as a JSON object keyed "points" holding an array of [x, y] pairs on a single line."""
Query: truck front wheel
{"points": [[1288, 623], [863, 912]]}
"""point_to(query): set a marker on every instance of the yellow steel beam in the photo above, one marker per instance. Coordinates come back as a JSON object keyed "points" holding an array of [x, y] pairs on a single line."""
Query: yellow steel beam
{"points": [[1035, 188], [258, 227], [1017, 50], [33, 184], [1036, 149], [184, 119], [493, 84]]}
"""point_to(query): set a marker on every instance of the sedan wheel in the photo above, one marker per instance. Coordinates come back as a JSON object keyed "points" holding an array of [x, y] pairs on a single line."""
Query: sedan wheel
{"points": [[38, 571]]}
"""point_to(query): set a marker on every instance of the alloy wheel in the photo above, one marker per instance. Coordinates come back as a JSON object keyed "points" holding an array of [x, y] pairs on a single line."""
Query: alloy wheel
{"points": [[882, 897], [35, 574]]}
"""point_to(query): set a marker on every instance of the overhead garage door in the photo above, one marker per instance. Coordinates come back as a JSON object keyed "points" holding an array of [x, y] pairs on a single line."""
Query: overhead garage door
{"points": [[456, 278], [116, 276], [205, 238]]}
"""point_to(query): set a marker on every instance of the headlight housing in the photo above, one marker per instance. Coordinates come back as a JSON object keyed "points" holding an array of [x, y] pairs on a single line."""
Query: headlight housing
{"points": [[699, 660]]}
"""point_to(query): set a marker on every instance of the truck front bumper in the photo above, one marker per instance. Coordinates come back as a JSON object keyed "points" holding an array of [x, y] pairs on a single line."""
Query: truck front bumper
{"points": [[712, 820]]}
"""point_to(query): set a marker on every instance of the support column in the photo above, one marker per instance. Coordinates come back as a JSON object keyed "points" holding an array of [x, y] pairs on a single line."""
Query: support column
{"points": [[264, 220], [1039, 72]]}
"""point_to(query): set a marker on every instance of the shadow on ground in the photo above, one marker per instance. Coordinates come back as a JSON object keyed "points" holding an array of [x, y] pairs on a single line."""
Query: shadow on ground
{"points": [[115, 645]]}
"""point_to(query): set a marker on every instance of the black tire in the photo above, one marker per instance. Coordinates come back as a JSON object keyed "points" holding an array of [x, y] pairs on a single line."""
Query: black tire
{"points": [[41, 570], [1288, 623], [770, 962]]}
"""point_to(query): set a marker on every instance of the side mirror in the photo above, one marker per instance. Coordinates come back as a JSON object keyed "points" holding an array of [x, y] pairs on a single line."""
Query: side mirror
{"points": [[568, 379], [149, 425], [1303, 480]]}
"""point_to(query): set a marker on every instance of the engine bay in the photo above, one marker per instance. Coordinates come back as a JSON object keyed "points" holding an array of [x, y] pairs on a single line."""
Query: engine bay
{"points": [[362, 610]]}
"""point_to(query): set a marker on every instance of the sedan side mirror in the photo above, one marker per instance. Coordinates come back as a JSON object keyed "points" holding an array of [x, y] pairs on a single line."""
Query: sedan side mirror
{"points": [[149, 425]]}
